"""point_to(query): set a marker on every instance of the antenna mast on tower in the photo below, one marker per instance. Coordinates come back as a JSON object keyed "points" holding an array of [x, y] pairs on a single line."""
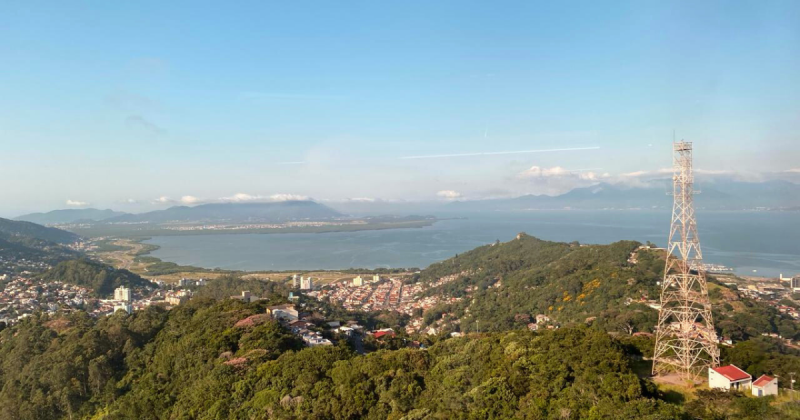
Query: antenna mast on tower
{"points": [[686, 342]]}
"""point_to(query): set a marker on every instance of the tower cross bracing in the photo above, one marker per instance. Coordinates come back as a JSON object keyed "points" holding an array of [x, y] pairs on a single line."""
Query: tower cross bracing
{"points": [[686, 342]]}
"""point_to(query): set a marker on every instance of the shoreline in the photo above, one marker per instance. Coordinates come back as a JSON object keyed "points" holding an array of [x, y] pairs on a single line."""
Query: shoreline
{"points": [[149, 231]]}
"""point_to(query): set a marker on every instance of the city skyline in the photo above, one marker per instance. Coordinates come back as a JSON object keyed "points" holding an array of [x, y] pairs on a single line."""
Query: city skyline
{"points": [[119, 106]]}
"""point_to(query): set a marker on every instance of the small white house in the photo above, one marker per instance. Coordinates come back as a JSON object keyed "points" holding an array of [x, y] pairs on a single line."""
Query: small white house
{"points": [[286, 312], [729, 377], [765, 385]]}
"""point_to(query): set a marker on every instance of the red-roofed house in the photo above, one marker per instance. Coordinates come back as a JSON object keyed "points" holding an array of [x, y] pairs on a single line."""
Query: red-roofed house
{"points": [[388, 332], [765, 385], [380, 334], [728, 377]]}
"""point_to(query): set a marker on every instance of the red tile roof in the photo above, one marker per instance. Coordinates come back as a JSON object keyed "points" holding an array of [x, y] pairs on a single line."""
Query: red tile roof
{"points": [[732, 372], [380, 334], [763, 380]]}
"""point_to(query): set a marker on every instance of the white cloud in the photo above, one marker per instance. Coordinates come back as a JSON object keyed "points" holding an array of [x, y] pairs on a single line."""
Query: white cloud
{"points": [[189, 199], [244, 197], [131, 201], [288, 197], [642, 178], [163, 200], [363, 200], [449, 194], [76, 203], [559, 172], [557, 180], [651, 174], [793, 171], [713, 172]]}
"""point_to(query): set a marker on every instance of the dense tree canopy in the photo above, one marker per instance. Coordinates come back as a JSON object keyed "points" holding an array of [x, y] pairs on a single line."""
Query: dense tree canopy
{"points": [[195, 361], [567, 282], [100, 278]]}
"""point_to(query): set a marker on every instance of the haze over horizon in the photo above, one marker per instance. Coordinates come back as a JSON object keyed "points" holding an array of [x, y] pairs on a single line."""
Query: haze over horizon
{"points": [[131, 107]]}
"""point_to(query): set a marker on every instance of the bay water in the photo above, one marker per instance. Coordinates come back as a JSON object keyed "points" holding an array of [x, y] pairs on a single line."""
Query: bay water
{"points": [[753, 243]]}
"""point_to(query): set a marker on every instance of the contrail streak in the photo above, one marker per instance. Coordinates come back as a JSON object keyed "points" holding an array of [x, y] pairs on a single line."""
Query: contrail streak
{"points": [[500, 153]]}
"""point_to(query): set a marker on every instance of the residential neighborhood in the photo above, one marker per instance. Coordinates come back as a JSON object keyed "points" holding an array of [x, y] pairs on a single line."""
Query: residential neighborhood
{"points": [[23, 296]]}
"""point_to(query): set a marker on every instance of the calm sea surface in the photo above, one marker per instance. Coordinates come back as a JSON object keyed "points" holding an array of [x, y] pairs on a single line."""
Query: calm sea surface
{"points": [[768, 242]]}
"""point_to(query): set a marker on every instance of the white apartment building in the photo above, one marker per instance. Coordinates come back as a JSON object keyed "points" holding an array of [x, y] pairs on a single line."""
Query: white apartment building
{"points": [[122, 294]]}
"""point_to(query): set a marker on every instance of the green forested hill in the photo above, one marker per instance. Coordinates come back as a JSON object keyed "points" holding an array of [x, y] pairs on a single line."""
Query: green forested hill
{"points": [[10, 246], [24, 253], [101, 278], [32, 230], [503, 284], [194, 362], [198, 361], [567, 282]]}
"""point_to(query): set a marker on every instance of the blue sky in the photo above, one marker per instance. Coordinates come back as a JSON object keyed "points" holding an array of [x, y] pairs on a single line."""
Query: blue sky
{"points": [[136, 105]]}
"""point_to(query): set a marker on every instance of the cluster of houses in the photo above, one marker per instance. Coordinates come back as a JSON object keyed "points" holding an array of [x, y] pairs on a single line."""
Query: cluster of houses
{"points": [[731, 377], [125, 300], [21, 297], [362, 294], [301, 325], [290, 318], [542, 321]]}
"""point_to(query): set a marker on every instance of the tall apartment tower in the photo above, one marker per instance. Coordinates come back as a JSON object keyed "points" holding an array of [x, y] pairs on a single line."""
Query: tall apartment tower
{"points": [[686, 342], [122, 294], [305, 283]]}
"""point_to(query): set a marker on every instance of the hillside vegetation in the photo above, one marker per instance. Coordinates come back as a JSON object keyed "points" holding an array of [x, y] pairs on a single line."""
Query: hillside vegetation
{"points": [[100, 278], [568, 282], [210, 359], [195, 362], [32, 230], [28, 247]]}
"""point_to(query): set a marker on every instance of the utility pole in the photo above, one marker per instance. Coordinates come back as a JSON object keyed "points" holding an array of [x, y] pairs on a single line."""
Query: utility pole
{"points": [[477, 326], [686, 341]]}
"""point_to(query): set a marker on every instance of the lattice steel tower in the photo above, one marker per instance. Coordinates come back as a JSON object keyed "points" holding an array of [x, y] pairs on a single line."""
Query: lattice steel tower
{"points": [[686, 342]]}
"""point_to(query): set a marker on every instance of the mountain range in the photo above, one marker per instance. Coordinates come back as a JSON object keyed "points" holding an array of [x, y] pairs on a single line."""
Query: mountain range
{"points": [[11, 229], [235, 212], [719, 195], [70, 216], [716, 194], [37, 246]]}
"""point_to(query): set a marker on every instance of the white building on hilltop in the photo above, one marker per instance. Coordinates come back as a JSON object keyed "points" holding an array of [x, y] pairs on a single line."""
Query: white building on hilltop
{"points": [[729, 377], [792, 282], [305, 283], [285, 312], [765, 385], [124, 306], [246, 297], [122, 294]]}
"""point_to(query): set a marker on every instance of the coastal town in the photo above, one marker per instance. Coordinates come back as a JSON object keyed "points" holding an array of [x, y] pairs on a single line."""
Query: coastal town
{"points": [[390, 294], [23, 296]]}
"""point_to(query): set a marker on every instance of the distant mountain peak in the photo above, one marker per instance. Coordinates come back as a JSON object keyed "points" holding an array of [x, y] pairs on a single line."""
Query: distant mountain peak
{"points": [[70, 216], [716, 194], [270, 212]]}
